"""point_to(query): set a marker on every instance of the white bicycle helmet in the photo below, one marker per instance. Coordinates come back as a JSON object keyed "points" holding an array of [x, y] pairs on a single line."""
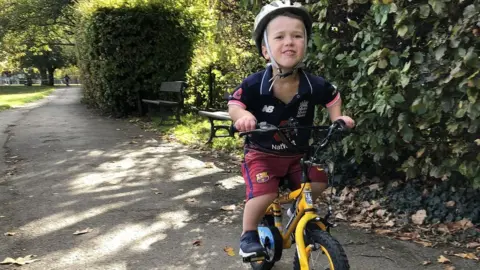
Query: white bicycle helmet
{"points": [[270, 11]]}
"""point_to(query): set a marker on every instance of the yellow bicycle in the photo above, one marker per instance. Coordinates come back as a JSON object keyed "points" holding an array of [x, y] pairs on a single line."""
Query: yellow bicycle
{"points": [[316, 247]]}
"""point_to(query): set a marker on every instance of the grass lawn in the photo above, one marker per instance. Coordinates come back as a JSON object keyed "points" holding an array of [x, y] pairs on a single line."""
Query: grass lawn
{"points": [[11, 96], [195, 131]]}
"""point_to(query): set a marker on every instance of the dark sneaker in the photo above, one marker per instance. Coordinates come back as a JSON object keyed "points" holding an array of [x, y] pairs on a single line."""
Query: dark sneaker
{"points": [[250, 245]]}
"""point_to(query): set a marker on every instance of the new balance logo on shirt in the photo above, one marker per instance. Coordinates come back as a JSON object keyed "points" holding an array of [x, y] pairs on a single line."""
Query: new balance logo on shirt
{"points": [[267, 109]]}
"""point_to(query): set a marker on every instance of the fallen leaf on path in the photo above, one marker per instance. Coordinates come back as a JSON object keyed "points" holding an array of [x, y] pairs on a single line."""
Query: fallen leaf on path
{"points": [[365, 204], [340, 216], [362, 225], [229, 251], [197, 243], [443, 259], [209, 165], [419, 217], [192, 200], [383, 231], [450, 204], [374, 206], [2, 216], [230, 207], [391, 223], [426, 262], [450, 267], [381, 212], [462, 224], [9, 234], [470, 256], [154, 188], [473, 245], [357, 218], [20, 260], [87, 230], [424, 243]]}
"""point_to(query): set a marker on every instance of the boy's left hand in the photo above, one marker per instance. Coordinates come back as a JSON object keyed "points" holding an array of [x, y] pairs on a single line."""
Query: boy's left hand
{"points": [[348, 121]]}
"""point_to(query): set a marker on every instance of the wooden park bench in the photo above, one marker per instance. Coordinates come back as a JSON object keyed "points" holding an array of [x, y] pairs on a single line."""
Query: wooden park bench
{"points": [[174, 89], [217, 115]]}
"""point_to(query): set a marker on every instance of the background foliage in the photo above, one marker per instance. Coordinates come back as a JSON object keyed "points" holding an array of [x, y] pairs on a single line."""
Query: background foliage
{"points": [[409, 74], [127, 48]]}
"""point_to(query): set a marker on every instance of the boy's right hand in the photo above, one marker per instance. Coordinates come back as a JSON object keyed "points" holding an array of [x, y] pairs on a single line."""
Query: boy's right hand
{"points": [[246, 123]]}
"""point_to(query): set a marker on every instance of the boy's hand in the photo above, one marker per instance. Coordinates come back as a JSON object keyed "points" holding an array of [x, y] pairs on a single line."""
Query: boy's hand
{"points": [[246, 123], [348, 121]]}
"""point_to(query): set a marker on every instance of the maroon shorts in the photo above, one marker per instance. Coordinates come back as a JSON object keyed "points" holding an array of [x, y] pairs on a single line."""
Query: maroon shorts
{"points": [[262, 172]]}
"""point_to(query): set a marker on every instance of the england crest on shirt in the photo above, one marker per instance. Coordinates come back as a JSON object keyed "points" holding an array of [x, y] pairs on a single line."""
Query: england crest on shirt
{"points": [[302, 109]]}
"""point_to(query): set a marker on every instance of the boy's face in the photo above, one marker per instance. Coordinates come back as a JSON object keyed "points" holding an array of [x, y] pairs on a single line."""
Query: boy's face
{"points": [[286, 37]]}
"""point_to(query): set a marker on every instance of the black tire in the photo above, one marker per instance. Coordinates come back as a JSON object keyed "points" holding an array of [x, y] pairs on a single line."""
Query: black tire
{"points": [[268, 220], [268, 264], [337, 255]]}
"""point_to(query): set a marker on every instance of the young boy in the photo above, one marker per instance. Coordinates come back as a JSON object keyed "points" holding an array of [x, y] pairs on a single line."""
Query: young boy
{"points": [[282, 91]]}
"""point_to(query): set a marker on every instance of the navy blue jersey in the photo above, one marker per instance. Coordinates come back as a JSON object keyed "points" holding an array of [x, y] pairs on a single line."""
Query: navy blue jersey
{"points": [[253, 95]]}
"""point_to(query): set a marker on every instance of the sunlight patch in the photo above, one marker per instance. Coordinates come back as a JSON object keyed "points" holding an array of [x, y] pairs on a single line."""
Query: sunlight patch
{"points": [[62, 220], [191, 193]]}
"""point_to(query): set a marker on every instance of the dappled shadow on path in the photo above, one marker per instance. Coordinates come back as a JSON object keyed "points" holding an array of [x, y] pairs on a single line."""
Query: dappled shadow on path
{"points": [[145, 201]]}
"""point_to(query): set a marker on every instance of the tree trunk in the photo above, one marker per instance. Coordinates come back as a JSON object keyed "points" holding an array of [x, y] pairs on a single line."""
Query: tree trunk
{"points": [[43, 76], [50, 76]]}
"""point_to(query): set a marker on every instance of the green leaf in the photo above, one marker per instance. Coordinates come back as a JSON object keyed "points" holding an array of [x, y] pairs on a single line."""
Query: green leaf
{"points": [[404, 80], [457, 71], [437, 5], [418, 107], [471, 58], [340, 56], [406, 67], [382, 63], [407, 134], [469, 11], [424, 11], [384, 18], [402, 30], [440, 51], [398, 98], [394, 60], [454, 43], [353, 62], [461, 110], [418, 58], [353, 23], [371, 69]]}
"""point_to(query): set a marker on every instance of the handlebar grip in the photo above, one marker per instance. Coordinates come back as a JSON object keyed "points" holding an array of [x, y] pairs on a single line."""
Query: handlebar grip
{"points": [[341, 124], [233, 129]]}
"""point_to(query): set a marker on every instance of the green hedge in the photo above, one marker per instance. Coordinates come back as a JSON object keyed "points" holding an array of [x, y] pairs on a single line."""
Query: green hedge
{"points": [[224, 55], [409, 74], [129, 48]]}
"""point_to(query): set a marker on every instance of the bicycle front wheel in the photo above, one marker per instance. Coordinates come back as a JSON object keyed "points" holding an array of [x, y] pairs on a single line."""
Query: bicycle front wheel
{"points": [[326, 253]]}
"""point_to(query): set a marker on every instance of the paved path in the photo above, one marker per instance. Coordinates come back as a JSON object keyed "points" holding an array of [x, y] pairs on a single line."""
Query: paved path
{"points": [[64, 168]]}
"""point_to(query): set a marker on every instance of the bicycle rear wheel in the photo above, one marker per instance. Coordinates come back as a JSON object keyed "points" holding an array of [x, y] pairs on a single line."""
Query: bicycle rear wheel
{"points": [[326, 252]]}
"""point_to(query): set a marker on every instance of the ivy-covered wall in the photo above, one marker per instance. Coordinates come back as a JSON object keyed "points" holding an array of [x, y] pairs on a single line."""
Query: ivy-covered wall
{"points": [[409, 75]]}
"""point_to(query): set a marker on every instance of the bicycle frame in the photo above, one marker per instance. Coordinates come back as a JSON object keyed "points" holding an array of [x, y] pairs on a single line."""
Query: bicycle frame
{"points": [[304, 211]]}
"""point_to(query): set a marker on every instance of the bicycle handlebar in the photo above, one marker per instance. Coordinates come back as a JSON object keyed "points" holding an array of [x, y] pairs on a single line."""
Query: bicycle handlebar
{"points": [[262, 128], [265, 127]]}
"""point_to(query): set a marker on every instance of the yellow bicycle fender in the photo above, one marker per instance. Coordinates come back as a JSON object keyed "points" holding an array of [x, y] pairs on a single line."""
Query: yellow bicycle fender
{"points": [[301, 249]]}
